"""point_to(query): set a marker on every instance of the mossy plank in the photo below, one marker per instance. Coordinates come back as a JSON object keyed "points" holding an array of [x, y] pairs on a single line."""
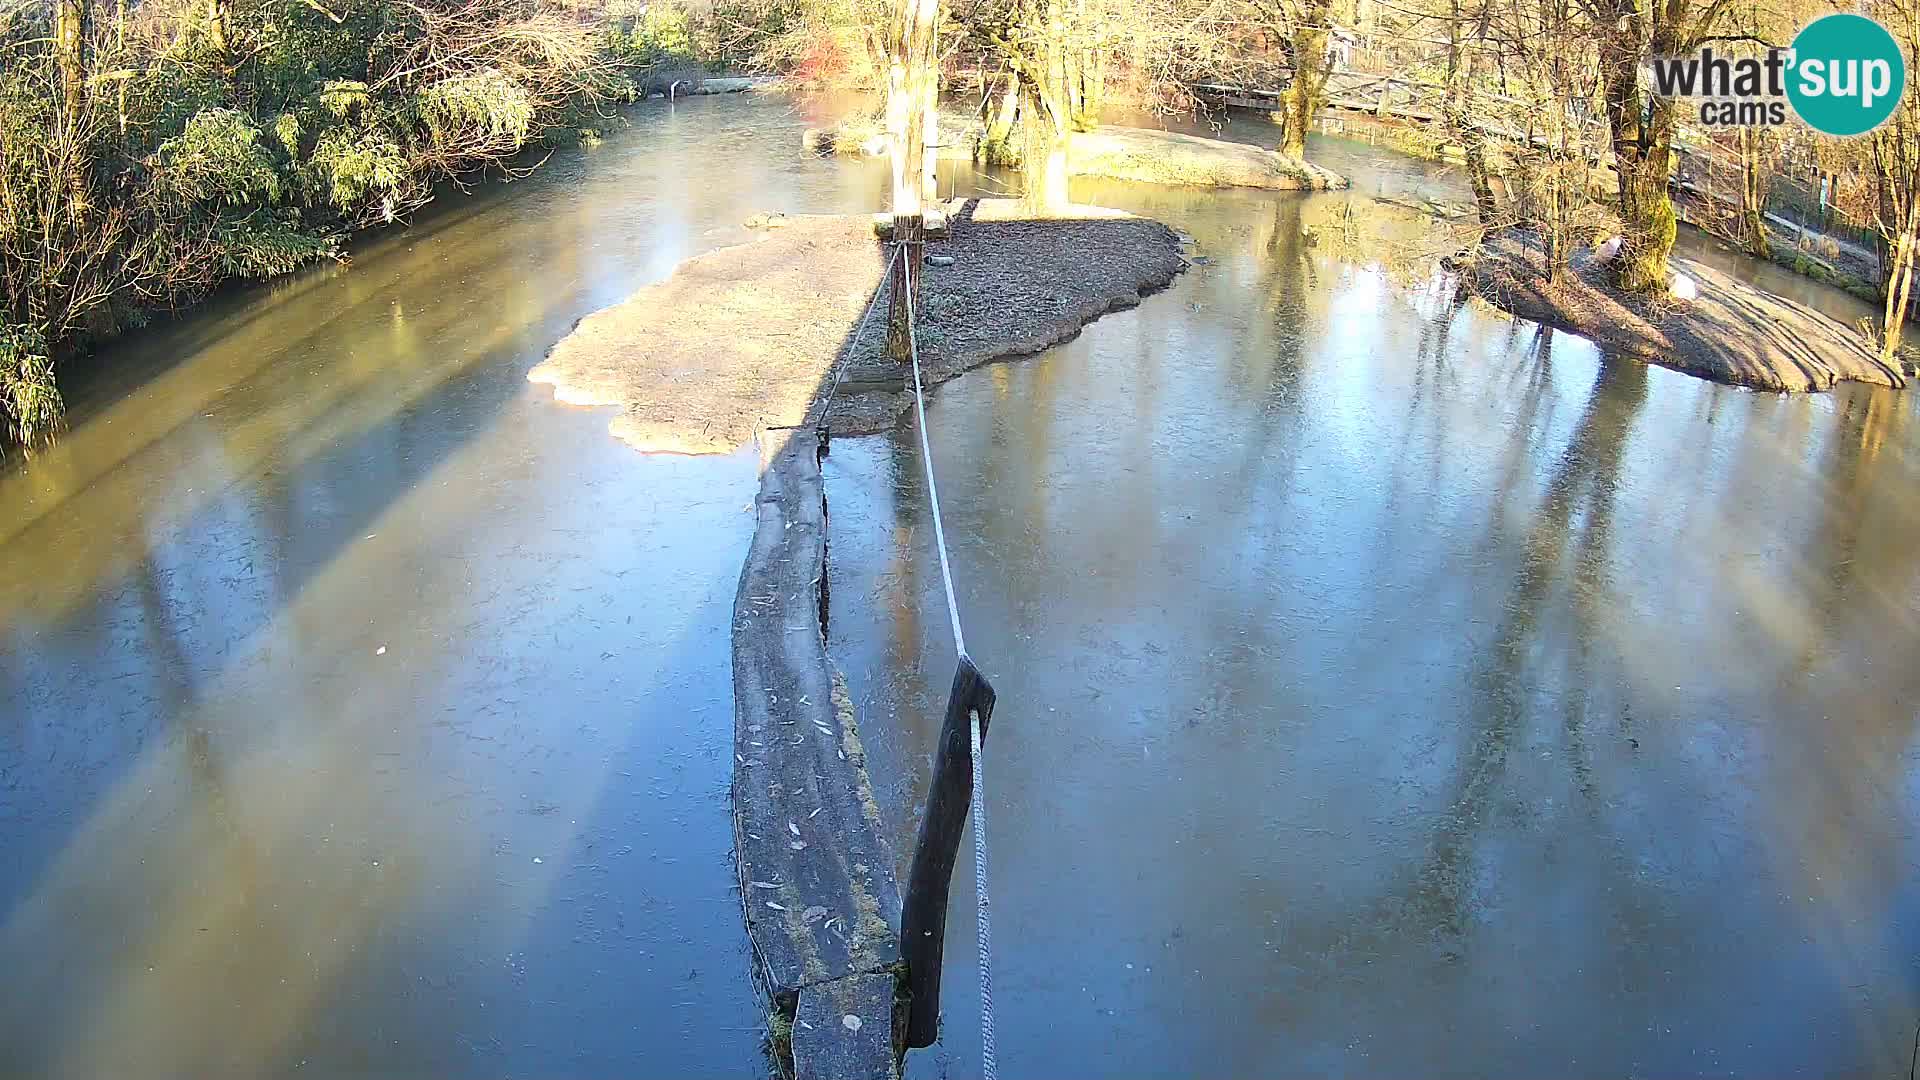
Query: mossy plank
{"points": [[816, 878]]}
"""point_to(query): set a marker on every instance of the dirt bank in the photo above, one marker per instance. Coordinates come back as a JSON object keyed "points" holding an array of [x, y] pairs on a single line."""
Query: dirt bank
{"points": [[1145, 155], [747, 337], [1168, 157], [1731, 333]]}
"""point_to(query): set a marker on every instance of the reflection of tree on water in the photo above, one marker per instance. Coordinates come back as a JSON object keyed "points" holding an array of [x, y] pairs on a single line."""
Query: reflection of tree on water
{"points": [[1270, 371], [1430, 367], [1581, 490], [1582, 486]]}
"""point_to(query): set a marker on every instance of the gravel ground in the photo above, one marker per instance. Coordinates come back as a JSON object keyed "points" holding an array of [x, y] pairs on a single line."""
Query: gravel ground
{"points": [[748, 337], [1732, 333]]}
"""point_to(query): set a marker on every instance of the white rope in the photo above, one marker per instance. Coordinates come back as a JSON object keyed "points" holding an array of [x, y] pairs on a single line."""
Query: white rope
{"points": [[989, 1067], [989, 1058], [926, 459]]}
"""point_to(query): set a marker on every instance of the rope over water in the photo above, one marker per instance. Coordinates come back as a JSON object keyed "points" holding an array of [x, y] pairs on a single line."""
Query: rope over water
{"points": [[989, 1065]]}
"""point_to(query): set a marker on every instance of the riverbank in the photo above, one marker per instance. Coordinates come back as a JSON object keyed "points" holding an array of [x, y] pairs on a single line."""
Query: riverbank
{"points": [[1731, 333], [1807, 252], [748, 337], [246, 185]]}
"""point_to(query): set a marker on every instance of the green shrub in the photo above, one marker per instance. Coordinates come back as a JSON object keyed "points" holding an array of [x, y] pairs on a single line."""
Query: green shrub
{"points": [[342, 98], [485, 105], [287, 131], [218, 157], [352, 167], [262, 246], [662, 35], [180, 164], [30, 399]]}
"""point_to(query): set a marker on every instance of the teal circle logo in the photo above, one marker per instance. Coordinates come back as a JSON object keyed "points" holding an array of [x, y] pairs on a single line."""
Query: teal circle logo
{"points": [[1846, 75]]}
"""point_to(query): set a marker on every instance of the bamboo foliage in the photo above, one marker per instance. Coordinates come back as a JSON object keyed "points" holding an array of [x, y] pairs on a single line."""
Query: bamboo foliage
{"points": [[189, 141]]}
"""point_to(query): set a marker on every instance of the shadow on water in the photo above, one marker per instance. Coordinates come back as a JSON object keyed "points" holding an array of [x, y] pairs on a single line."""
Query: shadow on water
{"points": [[371, 711], [1370, 664]]}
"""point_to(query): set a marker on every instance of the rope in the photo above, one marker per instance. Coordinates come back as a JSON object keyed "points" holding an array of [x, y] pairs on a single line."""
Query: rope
{"points": [[933, 493], [853, 346], [989, 1059], [989, 1066]]}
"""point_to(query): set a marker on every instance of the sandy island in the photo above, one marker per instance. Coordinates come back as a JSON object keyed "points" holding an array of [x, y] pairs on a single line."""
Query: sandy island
{"points": [[748, 337], [1142, 155], [1732, 333]]}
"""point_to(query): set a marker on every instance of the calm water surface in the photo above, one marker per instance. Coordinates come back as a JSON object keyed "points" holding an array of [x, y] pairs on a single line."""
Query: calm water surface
{"points": [[1387, 687], [366, 713]]}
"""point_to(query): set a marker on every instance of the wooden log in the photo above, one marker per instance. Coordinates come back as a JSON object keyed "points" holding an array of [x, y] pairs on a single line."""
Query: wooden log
{"points": [[923, 917]]}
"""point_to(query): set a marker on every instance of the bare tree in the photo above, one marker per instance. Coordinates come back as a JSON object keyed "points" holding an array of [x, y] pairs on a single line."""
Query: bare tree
{"points": [[1895, 150]]}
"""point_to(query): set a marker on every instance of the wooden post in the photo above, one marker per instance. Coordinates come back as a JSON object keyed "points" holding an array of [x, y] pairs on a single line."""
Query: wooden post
{"points": [[908, 233], [923, 915]]}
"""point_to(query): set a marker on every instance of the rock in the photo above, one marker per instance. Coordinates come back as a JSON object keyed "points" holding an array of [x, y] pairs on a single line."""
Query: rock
{"points": [[817, 141], [939, 260]]}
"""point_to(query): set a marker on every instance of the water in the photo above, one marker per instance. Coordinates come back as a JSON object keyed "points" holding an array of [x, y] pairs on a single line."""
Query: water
{"points": [[1386, 688], [367, 713]]}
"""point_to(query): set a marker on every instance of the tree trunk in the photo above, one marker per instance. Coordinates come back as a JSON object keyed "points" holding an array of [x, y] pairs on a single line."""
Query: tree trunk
{"points": [[1096, 92], [996, 144], [1642, 136], [1753, 199], [70, 52], [911, 99], [219, 15], [1043, 158], [909, 71], [1312, 65], [1642, 127], [1899, 281], [1461, 119], [1045, 119]]}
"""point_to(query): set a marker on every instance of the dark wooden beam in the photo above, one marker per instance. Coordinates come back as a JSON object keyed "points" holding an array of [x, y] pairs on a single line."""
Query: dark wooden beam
{"points": [[923, 919]]}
